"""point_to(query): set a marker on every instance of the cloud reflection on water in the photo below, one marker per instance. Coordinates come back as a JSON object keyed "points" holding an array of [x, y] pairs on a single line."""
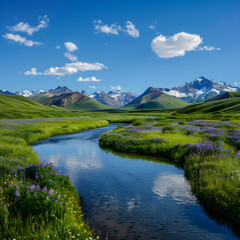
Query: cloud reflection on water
{"points": [[174, 186]]}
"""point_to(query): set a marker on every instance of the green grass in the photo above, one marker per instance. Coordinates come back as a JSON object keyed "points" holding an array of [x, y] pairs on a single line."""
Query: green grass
{"points": [[213, 172], [222, 106], [35, 217], [88, 105], [13, 107], [163, 101]]}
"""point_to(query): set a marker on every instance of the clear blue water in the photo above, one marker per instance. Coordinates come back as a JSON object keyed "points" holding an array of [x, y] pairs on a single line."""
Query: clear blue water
{"points": [[128, 197]]}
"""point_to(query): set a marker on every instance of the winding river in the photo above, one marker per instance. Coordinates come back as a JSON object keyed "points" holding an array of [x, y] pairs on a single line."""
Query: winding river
{"points": [[129, 197]]}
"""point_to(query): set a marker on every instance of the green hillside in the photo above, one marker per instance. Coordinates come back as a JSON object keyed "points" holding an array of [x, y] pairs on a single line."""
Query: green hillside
{"points": [[231, 105], [226, 95], [75, 101], [153, 98], [14, 106]]}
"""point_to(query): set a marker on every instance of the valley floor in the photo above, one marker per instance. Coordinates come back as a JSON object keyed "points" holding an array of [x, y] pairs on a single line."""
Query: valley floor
{"points": [[207, 150]]}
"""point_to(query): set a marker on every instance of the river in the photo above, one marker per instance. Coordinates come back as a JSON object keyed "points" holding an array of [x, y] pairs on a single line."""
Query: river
{"points": [[128, 196]]}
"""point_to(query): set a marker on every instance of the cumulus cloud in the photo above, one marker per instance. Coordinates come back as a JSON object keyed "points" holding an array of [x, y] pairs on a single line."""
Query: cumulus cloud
{"points": [[208, 48], [235, 83], [58, 47], [25, 27], [118, 88], [176, 45], [88, 79], [71, 47], [71, 68], [70, 56], [131, 30], [92, 87], [111, 29], [21, 40], [33, 71]]}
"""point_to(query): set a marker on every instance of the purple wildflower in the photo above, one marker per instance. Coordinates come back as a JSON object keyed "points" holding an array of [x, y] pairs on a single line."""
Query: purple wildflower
{"points": [[44, 189], [32, 188], [17, 193], [59, 195], [47, 198], [50, 192]]}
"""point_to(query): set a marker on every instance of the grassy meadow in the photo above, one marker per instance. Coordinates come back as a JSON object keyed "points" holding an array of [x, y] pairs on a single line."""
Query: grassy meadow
{"points": [[208, 151], [37, 201]]}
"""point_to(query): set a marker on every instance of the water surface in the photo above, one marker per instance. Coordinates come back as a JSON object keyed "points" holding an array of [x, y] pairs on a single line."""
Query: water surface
{"points": [[128, 197]]}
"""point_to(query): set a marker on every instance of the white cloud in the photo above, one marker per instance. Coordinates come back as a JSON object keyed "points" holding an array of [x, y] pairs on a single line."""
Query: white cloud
{"points": [[131, 30], [208, 48], [25, 27], [100, 27], [88, 79], [33, 71], [70, 56], [22, 40], [71, 47], [235, 83], [71, 68], [176, 45], [152, 27], [92, 87], [176, 93], [118, 88], [58, 47]]}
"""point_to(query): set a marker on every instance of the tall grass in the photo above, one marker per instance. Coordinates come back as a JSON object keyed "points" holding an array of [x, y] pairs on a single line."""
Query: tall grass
{"points": [[37, 202]]}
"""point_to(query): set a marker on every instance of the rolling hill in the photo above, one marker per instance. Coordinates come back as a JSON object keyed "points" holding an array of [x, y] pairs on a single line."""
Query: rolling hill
{"points": [[230, 105], [226, 95], [14, 106], [74, 101], [153, 98]]}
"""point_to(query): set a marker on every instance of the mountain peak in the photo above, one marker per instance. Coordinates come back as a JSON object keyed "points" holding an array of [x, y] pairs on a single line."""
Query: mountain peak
{"points": [[151, 89]]}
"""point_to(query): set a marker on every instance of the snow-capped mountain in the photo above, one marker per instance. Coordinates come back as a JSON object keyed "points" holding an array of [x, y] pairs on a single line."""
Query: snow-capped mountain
{"points": [[199, 90], [123, 97], [113, 99], [27, 93], [6, 92]]}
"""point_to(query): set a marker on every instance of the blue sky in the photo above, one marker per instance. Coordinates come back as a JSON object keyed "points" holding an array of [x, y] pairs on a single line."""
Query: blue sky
{"points": [[117, 44]]}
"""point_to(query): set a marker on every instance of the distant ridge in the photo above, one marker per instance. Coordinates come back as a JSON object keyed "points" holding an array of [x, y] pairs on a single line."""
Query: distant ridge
{"points": [[226, 95], [74, 101], [153, 98]]}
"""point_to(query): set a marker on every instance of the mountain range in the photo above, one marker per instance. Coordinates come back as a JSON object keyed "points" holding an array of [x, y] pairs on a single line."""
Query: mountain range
{"points": [[198, 90]]}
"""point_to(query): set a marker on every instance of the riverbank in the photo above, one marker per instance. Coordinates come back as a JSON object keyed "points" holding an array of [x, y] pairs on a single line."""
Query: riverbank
{"points": [[208, 152], [37, 201]]}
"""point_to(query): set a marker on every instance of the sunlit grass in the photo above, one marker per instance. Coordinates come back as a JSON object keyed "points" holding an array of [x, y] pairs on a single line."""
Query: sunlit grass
{"points": [[64, 220]]}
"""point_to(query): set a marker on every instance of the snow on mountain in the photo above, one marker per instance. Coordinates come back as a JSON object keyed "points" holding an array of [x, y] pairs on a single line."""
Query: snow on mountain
{"points": [[6, 92], [199, 90], [113, 98], [27, 93]]}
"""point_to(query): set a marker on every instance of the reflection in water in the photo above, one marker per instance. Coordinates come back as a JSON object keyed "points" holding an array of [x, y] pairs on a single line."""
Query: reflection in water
{"points": [[129, 198], [174, 186]]}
